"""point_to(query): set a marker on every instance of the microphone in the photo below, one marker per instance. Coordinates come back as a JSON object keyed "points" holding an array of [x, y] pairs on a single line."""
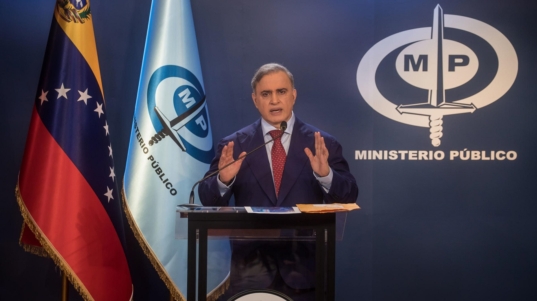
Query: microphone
{"points": [[191, 204]]}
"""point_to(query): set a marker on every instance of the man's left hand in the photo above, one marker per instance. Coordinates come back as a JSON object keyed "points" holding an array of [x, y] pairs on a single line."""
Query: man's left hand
{"points": [[319, 162]]}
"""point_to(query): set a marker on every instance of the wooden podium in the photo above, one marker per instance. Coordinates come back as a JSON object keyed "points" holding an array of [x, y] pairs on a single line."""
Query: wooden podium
{"points": [[203, 219]]}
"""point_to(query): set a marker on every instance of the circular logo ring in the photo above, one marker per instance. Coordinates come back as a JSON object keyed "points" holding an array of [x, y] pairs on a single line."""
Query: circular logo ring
{"points": [[502, 82]]}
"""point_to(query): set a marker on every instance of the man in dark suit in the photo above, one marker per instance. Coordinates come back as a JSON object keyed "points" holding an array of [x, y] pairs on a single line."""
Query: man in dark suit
{"points": [[302, 166]]}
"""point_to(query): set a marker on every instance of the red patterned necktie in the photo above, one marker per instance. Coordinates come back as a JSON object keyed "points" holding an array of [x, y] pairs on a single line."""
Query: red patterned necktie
{"points": [[278, 158]]}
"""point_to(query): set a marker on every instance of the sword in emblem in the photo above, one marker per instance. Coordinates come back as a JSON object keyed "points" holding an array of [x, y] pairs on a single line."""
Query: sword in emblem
{"points": [[437, 107], [171, 127]]}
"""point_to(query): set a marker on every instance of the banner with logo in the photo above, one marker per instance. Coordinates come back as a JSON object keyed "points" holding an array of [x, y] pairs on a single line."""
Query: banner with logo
{"points": [[67, 188], [170, 148]]}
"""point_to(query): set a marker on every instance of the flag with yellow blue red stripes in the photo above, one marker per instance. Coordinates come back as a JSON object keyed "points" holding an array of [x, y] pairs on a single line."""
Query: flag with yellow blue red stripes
{"points": [[67, 189]]}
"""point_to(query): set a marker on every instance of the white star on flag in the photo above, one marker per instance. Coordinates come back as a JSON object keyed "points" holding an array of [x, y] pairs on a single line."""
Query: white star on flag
{"points": [[109, 194], [112, 174], [110, 149], [62, 92], [99, 109], [84, 96], [106, 127], [43, 96]]}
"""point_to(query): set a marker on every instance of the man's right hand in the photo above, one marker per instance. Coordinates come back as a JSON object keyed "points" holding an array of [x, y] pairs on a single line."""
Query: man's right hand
{"points": [[227, 174]]}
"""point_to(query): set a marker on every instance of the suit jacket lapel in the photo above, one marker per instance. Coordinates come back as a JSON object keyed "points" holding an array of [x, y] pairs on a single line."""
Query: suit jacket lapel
{"points": [[296, 158], [258, 161]]}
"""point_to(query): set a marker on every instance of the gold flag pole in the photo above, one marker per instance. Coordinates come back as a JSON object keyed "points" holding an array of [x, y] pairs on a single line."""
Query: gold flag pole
{"points": [[65, 291]]}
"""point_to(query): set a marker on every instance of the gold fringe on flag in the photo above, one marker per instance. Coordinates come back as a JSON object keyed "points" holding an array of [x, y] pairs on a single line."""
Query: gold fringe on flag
{"points": [[161, 271], [36, 250], [48, 248]]}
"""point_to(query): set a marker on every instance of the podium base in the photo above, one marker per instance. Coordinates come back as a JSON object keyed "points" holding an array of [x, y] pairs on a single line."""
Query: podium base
{"points": [[260, 295]]}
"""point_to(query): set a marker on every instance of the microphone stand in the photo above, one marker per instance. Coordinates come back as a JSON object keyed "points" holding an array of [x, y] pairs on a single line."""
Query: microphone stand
{"points": [[191, 204]]}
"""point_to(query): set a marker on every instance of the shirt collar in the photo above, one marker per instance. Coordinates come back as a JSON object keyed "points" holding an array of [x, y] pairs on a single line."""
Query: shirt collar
{"points": [[266, 127]]}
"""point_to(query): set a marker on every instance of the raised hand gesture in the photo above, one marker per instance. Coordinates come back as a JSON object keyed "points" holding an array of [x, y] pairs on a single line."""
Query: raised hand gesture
{"points": [[319, 161]]}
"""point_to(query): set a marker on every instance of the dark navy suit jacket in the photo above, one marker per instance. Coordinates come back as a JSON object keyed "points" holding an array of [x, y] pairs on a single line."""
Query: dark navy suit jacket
{"points": [[254, 186]]}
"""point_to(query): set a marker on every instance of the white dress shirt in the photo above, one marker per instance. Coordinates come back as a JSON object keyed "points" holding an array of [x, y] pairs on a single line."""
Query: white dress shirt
{"points": [[325, 182]]}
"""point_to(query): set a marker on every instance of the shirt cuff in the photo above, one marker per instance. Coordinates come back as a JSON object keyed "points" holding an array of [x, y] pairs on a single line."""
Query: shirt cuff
{"points": [[223, 188], [326, 182]]}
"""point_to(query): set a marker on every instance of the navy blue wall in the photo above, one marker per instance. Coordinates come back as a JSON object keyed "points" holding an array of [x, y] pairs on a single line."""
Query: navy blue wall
{"points": [[428, 229]]}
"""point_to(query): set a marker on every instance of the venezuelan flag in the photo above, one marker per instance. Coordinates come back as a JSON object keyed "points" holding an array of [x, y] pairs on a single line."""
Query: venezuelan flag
{"points": [[67, 188]]}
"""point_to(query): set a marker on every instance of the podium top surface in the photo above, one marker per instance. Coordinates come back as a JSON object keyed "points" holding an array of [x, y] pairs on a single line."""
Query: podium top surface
{"points": [[214, 218], [210, 209], [240, 215]]}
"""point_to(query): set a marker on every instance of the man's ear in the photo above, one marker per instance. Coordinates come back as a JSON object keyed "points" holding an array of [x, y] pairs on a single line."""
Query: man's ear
{"points": [[253, 98]]}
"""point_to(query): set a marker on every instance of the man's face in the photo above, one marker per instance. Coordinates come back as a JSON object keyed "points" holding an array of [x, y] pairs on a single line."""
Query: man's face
{"points": [[274, 98]]}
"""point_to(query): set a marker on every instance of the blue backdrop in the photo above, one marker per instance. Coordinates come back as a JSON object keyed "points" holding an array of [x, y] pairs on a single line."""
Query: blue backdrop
{"points": [[430, 228]]}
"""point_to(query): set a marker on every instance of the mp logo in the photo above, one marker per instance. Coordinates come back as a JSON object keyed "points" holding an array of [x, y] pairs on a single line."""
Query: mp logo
{"points": [[438, 67]]}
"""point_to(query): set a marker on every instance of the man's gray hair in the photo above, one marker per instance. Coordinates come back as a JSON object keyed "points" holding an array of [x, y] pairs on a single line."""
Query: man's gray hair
{"points": [[270, 68]]}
